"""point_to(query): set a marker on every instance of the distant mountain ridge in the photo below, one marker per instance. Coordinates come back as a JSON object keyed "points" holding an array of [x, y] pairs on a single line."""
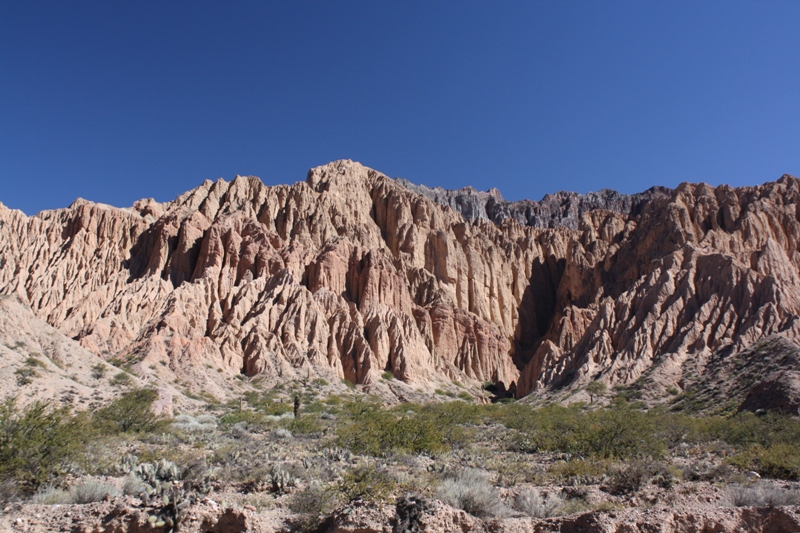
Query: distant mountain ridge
{"points": [[562, 209]]}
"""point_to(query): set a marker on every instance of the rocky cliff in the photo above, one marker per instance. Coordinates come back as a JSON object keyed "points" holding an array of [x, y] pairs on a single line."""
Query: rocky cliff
{"points": [[562, 209], [351, 274]]}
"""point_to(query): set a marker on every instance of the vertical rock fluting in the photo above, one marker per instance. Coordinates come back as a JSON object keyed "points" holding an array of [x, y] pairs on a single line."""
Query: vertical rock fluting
{"points": [[351, 274]]}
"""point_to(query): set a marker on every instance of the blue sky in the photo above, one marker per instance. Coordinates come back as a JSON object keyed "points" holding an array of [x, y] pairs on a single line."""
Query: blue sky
{"points": [[114, 101]]}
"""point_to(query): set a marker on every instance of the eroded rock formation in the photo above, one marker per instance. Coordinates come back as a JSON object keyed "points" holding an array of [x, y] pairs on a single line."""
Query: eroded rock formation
{"points": [[351, 274]]}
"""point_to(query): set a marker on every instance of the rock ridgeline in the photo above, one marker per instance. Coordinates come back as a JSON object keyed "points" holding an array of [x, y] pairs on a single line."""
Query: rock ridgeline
{"points": [[562, 209], [351, 274]]}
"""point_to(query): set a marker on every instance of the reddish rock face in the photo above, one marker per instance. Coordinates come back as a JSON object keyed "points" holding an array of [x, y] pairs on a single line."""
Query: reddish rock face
{"points": [[350, 274]]}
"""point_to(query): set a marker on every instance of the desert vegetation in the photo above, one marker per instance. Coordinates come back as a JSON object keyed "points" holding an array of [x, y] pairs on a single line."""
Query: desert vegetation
{"points": [[504, 459]]}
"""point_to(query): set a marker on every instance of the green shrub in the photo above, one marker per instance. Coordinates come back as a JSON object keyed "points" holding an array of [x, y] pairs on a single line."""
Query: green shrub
{"points": [[453, 420], [99, 370], [464, 395], [779, 461], [595, 388], [312, 504], [623, 431], [25, 375], [631, 477], [37, 443], [367, 482], [33, 362], [332, 400], [372, 430], [306, 425], [315, 407], [620, 432], [579, 471], [131, 413], [121, 379]]}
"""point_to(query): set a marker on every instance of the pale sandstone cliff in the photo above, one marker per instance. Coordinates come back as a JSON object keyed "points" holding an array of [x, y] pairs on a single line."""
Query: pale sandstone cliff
{"points": [[350, 274]]}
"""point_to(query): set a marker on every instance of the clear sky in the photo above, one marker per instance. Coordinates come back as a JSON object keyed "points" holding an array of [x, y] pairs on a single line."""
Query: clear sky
{"points": [[114, 101]]}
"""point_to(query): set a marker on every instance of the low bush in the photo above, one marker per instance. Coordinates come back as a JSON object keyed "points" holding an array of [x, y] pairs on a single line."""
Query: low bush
{"points": [[779, 461], [131, 413], [192, 424], [470, 491], [306, 425], [706, 471], [312, 505], [51, 496], [37, 443], [534, 503], [280, 434], [34, 362], [133, 486], [367, 482], [625, 432], [99, 370], [620, 432], [121, 379], [464, 395], [631, 477], [88, 491], [580, 471], [245, 459], [91, 491], [25, 375], [372, 430], [251, 418], [761, 495]]}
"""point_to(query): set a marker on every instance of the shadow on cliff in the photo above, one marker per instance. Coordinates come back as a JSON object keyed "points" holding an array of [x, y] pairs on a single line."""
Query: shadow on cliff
{"points": [[157, 252], [537, 308]]}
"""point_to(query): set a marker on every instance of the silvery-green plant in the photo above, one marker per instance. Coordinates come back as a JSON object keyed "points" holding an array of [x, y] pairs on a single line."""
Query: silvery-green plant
{"points": [[128, 464], [90, 491], [192, 424], [338, 455], [280, 480], [537, 504], [469, 490]]}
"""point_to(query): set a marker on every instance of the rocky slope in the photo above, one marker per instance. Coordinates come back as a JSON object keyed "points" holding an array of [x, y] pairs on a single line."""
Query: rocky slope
{"points": [[351, 274], [128, 515], [764, 377], [38, 363]]}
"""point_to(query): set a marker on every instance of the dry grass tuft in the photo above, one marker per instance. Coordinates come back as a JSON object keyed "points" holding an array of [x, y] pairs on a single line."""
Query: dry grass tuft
{"points": [[761, 495], [470, 491], [533, 503]]}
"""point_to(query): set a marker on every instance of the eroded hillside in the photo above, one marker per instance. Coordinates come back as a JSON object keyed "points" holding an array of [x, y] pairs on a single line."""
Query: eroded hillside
{"points": [[351, 274]]}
